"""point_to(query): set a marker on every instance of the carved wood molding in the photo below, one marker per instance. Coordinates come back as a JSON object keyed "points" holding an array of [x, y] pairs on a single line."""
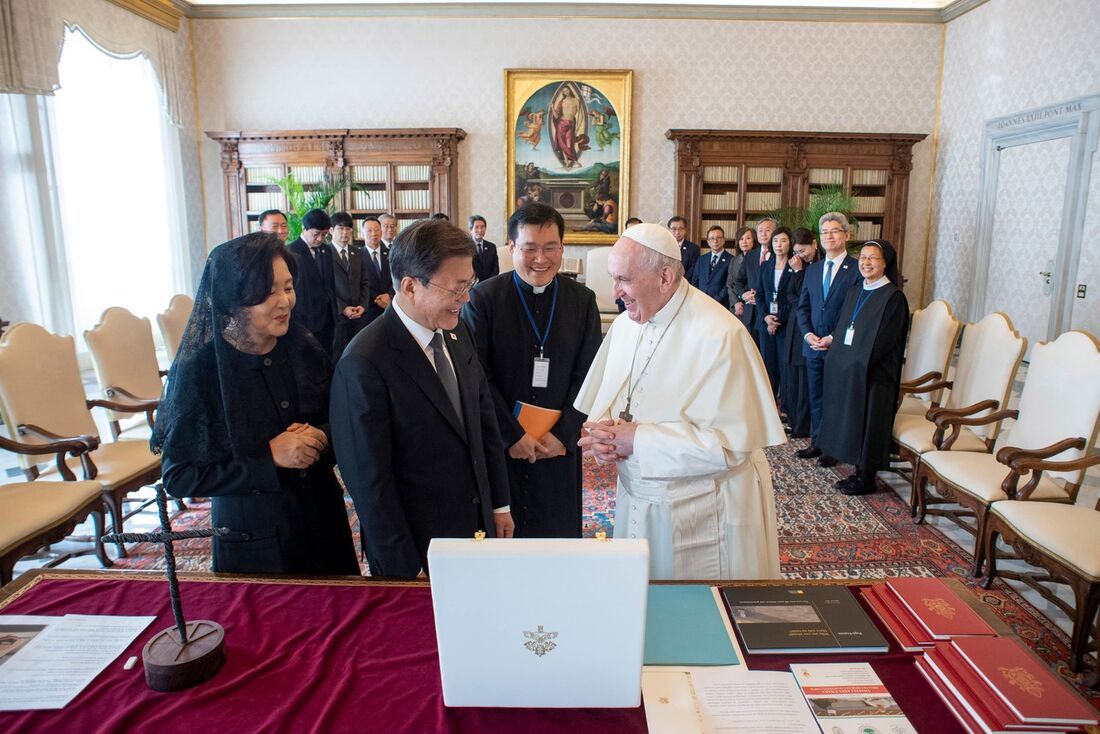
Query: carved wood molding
{"points": [[162, 12], [796, 136]]}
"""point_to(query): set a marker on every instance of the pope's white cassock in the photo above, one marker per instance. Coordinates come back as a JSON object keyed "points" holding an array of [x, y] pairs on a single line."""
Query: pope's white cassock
{"points": [[698, 485]]}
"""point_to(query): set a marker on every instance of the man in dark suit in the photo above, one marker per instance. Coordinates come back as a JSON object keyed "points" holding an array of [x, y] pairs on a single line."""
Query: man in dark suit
{"points": [[712, 267], [314, 283], [413, 421], [352, 283], [826, 283], [389, 230], [377, 262], [486, 264], [689, 251], [747, 281], [274, 222]]}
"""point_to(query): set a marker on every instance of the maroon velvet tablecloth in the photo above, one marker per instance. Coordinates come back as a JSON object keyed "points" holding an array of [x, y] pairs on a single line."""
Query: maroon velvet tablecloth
{"points": [[325, 657]]}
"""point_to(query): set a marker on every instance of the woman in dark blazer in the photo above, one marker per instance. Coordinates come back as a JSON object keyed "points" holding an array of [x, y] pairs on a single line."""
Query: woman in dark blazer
{"points": [[244, 419], [795, 387], [743, 241], [772, 307]]}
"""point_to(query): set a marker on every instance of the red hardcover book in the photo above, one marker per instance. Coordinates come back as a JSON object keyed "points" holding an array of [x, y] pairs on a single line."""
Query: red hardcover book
{"points": [[970, 685], [897, 630], [967, 721], [1033, 693], [938, 609], [902, 614]]}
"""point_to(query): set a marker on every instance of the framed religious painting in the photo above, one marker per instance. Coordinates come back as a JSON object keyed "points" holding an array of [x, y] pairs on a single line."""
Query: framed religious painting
{"points": [[567, 144]]}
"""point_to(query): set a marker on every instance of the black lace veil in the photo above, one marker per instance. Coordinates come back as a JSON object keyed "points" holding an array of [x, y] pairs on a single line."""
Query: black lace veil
{"points": [[203, 416]]}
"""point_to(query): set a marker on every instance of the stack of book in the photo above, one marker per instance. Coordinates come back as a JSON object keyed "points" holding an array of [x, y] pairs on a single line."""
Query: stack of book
{"points": [[993, 684], [919, 612]]}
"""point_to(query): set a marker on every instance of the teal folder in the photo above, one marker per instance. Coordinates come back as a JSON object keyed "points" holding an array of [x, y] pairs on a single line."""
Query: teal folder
{"points": [[684, 627]]}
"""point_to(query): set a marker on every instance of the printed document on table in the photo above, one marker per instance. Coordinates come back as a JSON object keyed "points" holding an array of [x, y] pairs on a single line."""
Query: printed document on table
{"points": [[17, 630], [724, 700], [55, 666], [849, 698]]}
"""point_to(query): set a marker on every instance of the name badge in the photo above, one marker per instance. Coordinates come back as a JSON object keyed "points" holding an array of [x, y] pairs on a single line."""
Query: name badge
{"points": [[849, 335], [773, 308], [540, 375]]}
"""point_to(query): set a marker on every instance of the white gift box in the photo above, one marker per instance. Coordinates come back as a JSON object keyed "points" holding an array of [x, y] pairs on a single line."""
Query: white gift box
{"points": [[556, 623]]}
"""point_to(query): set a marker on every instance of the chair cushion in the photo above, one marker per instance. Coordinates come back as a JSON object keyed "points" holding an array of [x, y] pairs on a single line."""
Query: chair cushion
{"points": [[914, 432], [912, 405], [1067, 532], [119, 462], [28, 509], [980, 475]]}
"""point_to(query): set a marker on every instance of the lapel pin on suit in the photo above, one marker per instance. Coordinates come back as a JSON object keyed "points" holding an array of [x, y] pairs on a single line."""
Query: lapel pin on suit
{"points": [[452, 335]]}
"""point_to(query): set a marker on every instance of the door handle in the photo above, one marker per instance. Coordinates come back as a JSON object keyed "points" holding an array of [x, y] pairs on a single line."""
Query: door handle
{"points": [[1045, 275]]}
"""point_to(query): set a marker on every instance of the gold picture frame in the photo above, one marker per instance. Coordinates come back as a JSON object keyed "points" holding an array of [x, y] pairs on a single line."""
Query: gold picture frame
{"points": [[567, 143]]}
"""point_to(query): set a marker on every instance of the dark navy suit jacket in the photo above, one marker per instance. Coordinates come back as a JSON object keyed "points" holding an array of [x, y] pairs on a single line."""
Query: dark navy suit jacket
{"points": [[380, 281], [315, 288], [713, 281], [486, 263], [816, 314], [689, 255]]}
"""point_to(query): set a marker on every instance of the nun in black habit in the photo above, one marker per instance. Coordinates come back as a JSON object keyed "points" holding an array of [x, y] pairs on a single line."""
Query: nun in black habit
{"points": [[244, 419], [863, 370]]}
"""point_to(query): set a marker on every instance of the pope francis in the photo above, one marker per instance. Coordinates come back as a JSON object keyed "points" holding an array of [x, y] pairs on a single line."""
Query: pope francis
{"points": [[679, 399]]}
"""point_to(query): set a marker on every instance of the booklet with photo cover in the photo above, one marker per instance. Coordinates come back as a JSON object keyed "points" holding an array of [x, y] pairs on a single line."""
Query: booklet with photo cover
{"points": [[779, 620], [849, 698]]}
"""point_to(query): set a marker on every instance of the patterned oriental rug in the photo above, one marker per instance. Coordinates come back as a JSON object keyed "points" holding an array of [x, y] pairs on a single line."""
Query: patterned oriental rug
{"points": [[822, 535]]}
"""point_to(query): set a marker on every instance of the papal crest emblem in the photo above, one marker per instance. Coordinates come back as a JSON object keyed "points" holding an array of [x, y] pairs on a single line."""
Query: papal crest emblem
{"points": [[1023, 680], [540, 642], [941, 607]]}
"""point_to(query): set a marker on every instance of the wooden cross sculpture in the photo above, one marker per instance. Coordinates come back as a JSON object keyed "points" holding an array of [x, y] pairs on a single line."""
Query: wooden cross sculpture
{"points": [[191, 652]]}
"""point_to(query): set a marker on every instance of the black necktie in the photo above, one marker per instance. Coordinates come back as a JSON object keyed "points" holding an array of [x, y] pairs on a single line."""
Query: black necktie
{"points": [[374, 259], [446, 375], [344, 257]]}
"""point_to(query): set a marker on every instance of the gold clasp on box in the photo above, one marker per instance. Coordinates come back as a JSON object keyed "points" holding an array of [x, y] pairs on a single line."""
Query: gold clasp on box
{"points": [[479, 535], [601, 537]]}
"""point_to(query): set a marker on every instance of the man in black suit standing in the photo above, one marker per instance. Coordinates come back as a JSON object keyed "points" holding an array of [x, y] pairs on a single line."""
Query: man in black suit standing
{"points": [[274, 222], [486, 264], [712, 268], [388, 223], [689, 251], [314, 282], [824, 287], [352, 282], [748, 278], [377, 262], [413, 421]]}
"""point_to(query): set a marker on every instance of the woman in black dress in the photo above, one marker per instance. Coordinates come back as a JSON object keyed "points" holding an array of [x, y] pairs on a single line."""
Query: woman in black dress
{"points": [[773, 307], [244, 419]]}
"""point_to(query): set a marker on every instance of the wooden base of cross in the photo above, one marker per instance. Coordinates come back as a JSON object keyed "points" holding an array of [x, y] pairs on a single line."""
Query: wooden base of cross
{"points": [[189, 653]]}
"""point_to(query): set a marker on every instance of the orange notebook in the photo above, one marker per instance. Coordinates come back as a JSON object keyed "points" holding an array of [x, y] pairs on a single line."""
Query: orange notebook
{"points": [[535, 420]]}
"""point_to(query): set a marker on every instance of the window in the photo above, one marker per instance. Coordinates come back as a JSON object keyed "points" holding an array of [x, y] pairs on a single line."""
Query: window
{"points": [[118, 175]]}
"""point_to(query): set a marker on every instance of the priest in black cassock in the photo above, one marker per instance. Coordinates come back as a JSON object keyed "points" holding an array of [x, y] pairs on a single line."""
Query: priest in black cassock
{"points": [[863, 370], [536, 335]]}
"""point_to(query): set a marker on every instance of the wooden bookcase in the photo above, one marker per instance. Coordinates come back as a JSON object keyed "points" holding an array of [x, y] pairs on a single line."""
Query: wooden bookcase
{"points": [[409, 172], [735, 177]]}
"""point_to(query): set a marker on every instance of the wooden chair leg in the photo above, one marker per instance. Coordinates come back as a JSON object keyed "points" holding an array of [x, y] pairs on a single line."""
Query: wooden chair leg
{"points": [[7, 570], [990, 541], [918, 506], [100, 549], [1088, 601], [114, 507], [982, 516]]}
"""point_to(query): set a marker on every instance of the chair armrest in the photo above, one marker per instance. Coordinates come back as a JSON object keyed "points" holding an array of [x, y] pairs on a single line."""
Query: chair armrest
{"points": [[954, 419], [139, 404], [1022, 461], [911, 389], [926, 377], [58, 445]]}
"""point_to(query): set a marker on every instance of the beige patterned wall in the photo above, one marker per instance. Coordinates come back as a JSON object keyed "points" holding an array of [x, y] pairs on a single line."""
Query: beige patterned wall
{"points": [[318, 73], [1003, 57]]}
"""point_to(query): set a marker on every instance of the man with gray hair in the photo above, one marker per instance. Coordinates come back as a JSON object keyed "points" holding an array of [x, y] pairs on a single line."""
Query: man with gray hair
{"points": [[688, 445], [823, 289]]}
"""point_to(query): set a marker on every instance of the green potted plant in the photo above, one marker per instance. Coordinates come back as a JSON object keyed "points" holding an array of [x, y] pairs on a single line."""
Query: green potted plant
{"points": [[824, 200], [299, 200]]}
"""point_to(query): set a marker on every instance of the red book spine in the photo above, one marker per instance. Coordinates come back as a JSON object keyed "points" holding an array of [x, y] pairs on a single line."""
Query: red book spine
{"points": [[938, 609], [961, 714], [897, 630], [901, 613]]}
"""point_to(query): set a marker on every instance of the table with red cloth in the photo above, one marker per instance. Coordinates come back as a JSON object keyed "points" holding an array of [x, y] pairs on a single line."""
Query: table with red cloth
{"points": [[326, 656]]}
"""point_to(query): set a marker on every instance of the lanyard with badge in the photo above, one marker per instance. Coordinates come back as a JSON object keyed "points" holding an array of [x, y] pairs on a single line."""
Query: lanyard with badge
{"points": [[850, 333], [540, 373]]}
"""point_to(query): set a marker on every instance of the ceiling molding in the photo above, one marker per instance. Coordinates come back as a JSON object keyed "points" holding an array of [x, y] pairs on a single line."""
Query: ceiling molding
{"points": [[669, 11], [165, 13]]}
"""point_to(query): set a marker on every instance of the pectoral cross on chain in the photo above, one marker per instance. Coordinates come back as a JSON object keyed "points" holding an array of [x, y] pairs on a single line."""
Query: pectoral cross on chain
{"points": [[624, 414]]}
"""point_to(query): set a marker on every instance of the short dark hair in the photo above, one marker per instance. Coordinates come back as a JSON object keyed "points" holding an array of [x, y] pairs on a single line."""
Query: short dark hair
{"points": [[632, 221], [441, 215], [538, 214], [257, 252], [713, 227], [342, 219], [676, 218], [270, 213], [803, 236], [474, 218], [419, 250], [316, 219], [790, 239]]}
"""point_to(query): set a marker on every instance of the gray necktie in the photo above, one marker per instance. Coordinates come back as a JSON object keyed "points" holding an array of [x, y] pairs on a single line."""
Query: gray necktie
{"points": [[446, 376]]}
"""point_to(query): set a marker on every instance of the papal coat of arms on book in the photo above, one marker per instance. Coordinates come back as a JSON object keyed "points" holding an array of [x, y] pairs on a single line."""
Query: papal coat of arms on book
{"points": [[540, 642]]}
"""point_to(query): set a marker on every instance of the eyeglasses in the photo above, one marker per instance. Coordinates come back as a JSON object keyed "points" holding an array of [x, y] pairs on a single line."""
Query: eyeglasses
{"points": [[869, 258], [829, 232], [548, 251], [459, 293]]}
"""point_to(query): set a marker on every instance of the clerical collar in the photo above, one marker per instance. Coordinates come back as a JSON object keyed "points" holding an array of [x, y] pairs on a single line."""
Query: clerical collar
{"points": [[670, 309], [536, 289], [876, 284]]}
